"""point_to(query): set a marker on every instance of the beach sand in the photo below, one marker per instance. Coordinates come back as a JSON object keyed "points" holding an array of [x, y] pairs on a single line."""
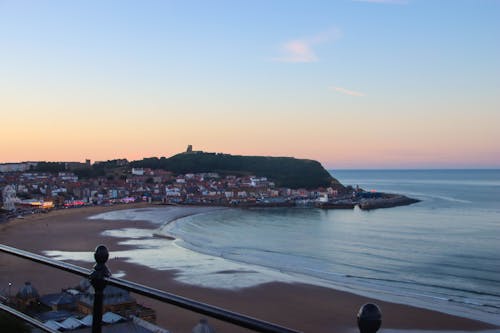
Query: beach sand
{"points": [[303, 307]]}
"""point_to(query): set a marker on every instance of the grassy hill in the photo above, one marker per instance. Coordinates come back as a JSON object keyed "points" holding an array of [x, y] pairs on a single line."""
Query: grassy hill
{"points": [[285, 171]]}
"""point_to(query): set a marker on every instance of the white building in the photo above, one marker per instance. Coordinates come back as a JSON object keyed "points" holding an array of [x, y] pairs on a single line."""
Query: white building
{"points": [[172, 192], [17, 167], [138, 171]]}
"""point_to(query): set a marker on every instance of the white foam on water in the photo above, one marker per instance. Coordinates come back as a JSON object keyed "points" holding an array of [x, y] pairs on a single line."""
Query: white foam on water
{"points": [[119, 274], [129, 233], [71, 255], [162, 254]]}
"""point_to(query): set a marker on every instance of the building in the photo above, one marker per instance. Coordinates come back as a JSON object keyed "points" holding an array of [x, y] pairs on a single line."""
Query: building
{"points": [[17, 167], [190, 150], [112, 323], [138, 171], [63, 301], [26, 296], [115, 300]]}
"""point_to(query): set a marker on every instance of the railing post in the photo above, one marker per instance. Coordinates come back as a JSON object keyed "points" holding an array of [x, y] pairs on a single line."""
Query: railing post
{"points": [[369, 318], [98, 281]]}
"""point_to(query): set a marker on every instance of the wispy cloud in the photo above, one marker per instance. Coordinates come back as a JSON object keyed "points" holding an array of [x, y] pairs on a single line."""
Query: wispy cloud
{"points": [[347, 91], [390, 2], [298, 51], [302, 50]]}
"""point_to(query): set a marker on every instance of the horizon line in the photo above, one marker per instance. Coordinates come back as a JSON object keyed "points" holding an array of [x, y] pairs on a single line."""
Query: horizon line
{"points": [[328, 168], [413, 169]]}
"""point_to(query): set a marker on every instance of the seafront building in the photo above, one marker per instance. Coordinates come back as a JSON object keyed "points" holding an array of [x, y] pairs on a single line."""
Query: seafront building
{"points": [[36, 191], [71, 309]]}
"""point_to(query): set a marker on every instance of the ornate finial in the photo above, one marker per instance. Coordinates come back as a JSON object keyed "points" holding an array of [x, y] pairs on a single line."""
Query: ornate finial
{"points": [[100, 271], [369, 318], [101, 254]]}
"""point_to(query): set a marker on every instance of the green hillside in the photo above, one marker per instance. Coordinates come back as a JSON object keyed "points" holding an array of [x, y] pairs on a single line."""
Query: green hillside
{"points": [[284, 171]]}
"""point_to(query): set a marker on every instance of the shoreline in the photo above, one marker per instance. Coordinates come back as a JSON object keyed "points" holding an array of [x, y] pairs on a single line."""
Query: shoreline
{"points": [[175, 219], [304, 306]]}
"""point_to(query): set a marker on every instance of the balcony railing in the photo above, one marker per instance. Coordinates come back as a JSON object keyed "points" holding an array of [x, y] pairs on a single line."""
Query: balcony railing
{"points": [[369, 316]]}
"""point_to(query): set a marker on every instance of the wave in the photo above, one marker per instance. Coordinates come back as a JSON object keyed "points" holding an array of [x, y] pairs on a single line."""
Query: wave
{"points": [[402, 291], [210, 237], [227, 253], [441, 197], [396, 287]]}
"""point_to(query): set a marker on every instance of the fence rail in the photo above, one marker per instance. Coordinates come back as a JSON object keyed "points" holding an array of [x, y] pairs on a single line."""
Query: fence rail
{"points": [[26, 318], [100, 277]]}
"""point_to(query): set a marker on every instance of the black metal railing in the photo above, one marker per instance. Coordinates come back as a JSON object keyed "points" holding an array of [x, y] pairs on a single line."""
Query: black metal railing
{"points": [[369, 317], [26, 318]]}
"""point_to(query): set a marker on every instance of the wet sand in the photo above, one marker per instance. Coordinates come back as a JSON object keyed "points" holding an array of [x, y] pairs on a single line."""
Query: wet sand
{"points": [[300, 306]]}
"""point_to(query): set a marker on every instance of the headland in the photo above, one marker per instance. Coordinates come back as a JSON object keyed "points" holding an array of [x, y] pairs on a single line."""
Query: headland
{"points": [[192, 178]]}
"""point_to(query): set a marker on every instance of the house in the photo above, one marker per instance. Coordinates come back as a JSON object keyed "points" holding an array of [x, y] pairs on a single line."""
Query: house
{"points": [[138, 171]]}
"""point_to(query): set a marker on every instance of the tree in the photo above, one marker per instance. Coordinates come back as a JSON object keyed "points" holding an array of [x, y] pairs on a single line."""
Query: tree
{"points": [[52, 167]]}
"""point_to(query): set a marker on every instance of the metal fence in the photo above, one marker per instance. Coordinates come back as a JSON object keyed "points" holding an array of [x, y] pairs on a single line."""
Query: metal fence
{"points": [[369, 317]]}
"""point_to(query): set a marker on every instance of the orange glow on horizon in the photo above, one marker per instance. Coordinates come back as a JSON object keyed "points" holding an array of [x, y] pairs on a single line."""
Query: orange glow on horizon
{"points": [[355, 139]]}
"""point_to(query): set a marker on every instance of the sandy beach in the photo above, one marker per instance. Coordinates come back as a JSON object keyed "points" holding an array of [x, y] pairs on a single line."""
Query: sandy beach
{"points": [[300, 306]]}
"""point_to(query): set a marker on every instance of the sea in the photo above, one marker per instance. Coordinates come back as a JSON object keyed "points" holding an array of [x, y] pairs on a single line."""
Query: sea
{"points": [[442, 253]]}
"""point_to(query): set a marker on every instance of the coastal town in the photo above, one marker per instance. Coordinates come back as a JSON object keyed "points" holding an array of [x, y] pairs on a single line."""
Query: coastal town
{"points": [[27, 189], [44, 190]]}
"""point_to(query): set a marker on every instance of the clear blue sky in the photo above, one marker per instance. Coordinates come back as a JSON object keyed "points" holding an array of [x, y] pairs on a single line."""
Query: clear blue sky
{"points": [[350, 83]]}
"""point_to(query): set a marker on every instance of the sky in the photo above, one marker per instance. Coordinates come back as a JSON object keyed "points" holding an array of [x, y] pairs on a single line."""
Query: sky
{"points": [[352, 84]]}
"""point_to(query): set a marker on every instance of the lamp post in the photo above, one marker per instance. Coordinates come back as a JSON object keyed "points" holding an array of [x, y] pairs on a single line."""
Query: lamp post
{"points": [[10, 285]]}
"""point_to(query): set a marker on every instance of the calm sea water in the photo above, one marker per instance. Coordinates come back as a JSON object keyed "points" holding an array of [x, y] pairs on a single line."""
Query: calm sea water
{"points": [[442, 253]]}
